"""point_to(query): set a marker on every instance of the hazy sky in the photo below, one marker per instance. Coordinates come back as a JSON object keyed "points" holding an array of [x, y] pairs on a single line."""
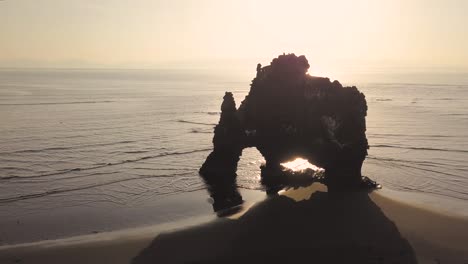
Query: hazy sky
{"points": [[158, 33]]}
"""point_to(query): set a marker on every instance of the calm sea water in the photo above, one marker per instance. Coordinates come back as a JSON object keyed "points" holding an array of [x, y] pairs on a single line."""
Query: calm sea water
{"points": [[100, 139]]}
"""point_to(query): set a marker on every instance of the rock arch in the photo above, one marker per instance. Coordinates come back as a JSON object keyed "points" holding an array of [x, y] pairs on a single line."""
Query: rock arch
{"points": [[289, 113]]}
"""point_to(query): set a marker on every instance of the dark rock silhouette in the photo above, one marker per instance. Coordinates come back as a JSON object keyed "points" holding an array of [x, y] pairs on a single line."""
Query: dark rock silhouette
{"points": [[287, 114]]}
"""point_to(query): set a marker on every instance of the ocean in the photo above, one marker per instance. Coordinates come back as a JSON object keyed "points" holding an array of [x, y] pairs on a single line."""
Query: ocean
{"points": [[90, 147]]}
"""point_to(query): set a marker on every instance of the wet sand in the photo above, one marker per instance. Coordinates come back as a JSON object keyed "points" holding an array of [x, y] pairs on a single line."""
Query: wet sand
{"points": [[300, 224]]}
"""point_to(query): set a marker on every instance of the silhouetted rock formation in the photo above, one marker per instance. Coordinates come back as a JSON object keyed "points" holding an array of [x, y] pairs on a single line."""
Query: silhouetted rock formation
{"points": [[287, 114]]}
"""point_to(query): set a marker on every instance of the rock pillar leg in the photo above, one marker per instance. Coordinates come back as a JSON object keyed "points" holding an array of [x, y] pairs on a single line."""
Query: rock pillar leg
{"points": [[219, 174], [345, 173], [272, 175]]}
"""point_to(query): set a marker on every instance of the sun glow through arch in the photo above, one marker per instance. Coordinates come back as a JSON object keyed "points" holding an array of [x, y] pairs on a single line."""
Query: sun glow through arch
{"points": [[300, 164]]}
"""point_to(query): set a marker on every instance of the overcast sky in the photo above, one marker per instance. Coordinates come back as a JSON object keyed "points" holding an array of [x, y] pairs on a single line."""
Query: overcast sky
{"points": [[158, 33]]}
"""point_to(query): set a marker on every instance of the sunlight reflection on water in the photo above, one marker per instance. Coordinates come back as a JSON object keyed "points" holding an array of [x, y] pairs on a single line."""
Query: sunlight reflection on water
{"points": [[300, 164]]}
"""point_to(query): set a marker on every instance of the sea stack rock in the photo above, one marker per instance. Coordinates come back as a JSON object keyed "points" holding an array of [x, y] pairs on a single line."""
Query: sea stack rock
{"points": [[287, 114]]}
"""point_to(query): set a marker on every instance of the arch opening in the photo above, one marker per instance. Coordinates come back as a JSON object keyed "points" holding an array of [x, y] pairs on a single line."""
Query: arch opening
{"points": [[248, 169], [299, 165]]}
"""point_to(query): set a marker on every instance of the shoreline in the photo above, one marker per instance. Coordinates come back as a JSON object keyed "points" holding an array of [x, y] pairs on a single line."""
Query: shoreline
{"points": [[437, 204], [253, 196], [427, 231]]}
